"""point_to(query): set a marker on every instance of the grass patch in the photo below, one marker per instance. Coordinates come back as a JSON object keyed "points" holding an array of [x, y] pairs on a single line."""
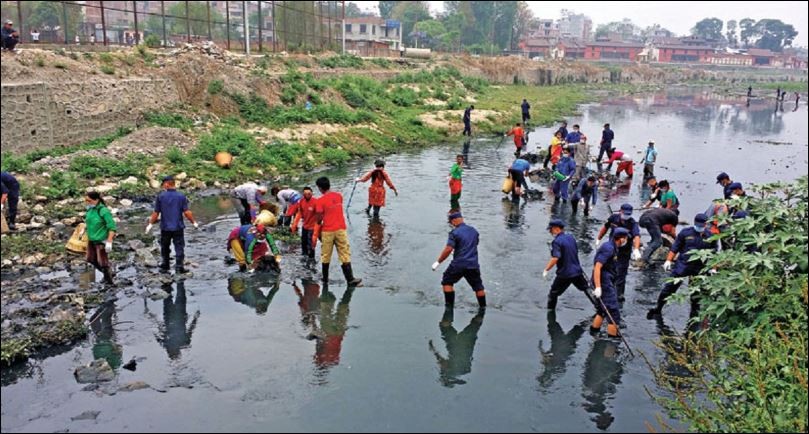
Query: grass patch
{"points": [[215, 87], [90, 167], [341, 61], [107, 69], [169, 120]]}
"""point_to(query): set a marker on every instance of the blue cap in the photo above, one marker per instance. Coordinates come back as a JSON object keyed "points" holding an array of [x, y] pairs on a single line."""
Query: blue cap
{"points": [[700, 218], [722, 176], [454, 215], [626, 209], [168, 178], [735, 186], [620, 232], [740, 214], [557, 223]]}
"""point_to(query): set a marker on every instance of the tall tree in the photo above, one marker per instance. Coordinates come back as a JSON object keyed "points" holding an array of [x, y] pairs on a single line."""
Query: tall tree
{"points": [[386, 8], [733, 40], [524, 23], [747, 26], [625, 29], [49, 14], [709, 29], [774, 35], [410, 13]]}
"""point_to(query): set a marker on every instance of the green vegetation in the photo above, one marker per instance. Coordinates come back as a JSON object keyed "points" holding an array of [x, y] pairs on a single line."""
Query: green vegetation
{"points": [[169, 120], [789, 86], [748, 372], [39, 61], [215, 87], [90, 167], [62, 185], [152, 41], [107, 69], [341, 61]]}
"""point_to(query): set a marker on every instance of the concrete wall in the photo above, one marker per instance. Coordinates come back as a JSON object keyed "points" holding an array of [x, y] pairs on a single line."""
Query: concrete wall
{"points": [[45, 115]]}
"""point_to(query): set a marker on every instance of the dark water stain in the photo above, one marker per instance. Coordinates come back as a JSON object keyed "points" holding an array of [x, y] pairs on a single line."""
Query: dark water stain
{"points": [[226, 350]]}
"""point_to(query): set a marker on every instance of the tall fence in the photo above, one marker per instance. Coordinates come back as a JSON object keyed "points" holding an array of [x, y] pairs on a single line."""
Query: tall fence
{"points": [[271, 25]]}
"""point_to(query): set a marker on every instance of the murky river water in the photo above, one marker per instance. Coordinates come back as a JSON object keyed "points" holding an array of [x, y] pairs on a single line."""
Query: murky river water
{"points": [[230, 352]]}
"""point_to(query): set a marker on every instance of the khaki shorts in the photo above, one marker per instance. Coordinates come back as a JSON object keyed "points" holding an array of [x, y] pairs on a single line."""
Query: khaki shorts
{"points": [[329, 240]]}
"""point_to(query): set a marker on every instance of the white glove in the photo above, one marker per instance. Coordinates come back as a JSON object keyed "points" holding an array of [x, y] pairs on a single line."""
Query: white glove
{"points": [[251, 271], [148, 228], [196, 225], [667, 265], [567, 178], [545, 274], [598, 243], [108, 246], [597, 292], [712, 271], [636, 254], [435, 265], [358, 180]]}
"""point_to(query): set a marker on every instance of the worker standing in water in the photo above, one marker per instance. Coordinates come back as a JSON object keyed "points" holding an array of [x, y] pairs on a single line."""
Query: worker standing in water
{"points": [[376, 192], [463, 241]]}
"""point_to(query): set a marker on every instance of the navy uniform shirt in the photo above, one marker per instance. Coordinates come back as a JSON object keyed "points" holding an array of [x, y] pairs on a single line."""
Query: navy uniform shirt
{"points": [[10, 185], [607, 255], [728, 192], [564, 249], [464, 242], [171, 205], [615, 221], [687, 240]]}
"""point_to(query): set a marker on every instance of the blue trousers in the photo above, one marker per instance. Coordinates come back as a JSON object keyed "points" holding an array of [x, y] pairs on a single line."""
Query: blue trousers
{"points": [[609, 297], [178, 239], [623, 269], [560, 189]]}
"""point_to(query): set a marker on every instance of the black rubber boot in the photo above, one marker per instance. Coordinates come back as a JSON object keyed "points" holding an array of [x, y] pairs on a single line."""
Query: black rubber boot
{"points": [[349, 275], [481, 301], [107, 275], [449, 299], [242, 268], [552, 302], [325, 268], [653, 313]]}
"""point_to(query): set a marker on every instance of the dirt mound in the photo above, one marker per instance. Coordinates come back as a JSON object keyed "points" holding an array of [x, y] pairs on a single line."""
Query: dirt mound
{"points": [[447, 119], [153, 141]]}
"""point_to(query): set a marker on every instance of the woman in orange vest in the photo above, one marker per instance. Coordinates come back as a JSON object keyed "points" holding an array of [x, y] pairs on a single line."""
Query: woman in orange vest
{"points": [[376, 192], [519, 138]]}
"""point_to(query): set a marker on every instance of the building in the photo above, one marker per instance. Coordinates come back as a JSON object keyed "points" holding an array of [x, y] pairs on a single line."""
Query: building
{"points": [[538, 47], [612, 50], [575, 26], [547, 28], [731, 59], [761, 57], [570, 48], [373, 31], [683, 52]]}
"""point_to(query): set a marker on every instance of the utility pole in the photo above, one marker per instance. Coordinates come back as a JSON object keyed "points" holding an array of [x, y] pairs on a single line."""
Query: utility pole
{"points": [[246, 28], [344, 26]]}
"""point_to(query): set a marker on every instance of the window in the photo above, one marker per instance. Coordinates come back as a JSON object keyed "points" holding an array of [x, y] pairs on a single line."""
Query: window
{"points": [[373, 30], [348, 28], [363, 29]]}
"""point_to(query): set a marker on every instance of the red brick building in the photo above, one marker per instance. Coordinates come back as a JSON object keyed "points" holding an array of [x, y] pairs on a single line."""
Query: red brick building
{"points": [[683, 53], [609, 50]]}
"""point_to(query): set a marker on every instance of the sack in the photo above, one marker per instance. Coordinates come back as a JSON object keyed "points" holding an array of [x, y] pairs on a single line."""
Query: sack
{"points": [[78, 241], [508, 185], [223, 159]]}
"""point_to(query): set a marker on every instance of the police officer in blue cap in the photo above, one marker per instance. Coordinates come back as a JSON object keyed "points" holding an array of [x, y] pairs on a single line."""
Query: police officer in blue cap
{"points": [[463, 241], [628, 251], [605, 272], [565, 257], [724, 179], [687, 241]]}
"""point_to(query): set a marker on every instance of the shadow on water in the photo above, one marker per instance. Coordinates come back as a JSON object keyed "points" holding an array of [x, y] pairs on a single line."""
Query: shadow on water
{"points": [[460, 348], [175, 329]]}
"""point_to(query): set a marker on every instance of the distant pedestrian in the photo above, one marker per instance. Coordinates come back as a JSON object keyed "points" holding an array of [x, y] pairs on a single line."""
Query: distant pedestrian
{"points": [[35, 36], [467, 120], [526, 111]]}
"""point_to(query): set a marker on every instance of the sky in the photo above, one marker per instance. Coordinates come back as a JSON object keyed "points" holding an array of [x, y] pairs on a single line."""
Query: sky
{"points": [[678, 17]]}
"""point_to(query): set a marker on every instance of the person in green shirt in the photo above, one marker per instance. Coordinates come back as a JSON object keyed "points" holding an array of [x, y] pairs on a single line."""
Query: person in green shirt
{"points": [[455, 184], [668, 199], [101, 229]]}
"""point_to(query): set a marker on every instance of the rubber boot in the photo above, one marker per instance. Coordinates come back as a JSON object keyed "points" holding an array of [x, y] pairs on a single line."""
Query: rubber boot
{"points": [[368, 210], [612, 330], [552, 302], [598, 320], [349, 275], [449, 299], [242, 267], [481, 301], [653, 313], [107, 275], [325, 268]]}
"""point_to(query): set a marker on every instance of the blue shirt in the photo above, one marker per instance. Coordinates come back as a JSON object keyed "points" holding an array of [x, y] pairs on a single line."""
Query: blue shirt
{"points": [[607, 136], [584, 191], [651, 155], [564, 249], [520, 165], [687, 240], [464, 242], [607, 255], [573, 137], [566, 166], [525, 107], [728, 191], [615, 221], [171, 205], [9, 184]]}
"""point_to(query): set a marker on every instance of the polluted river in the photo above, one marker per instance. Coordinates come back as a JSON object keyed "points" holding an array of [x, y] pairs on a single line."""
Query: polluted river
{"points": [[231, 351]]}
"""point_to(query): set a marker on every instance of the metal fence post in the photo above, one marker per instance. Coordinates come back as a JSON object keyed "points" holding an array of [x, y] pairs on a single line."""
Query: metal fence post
{"points": [[227, 21], [103, 23], [64, 20], [187, 22], [260, 24], [163, 15], [136, 38], [274, 33], [210, 35]]}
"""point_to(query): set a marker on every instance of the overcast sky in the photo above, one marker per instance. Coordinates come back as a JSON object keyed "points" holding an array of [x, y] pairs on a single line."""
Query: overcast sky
{"points": [[678, 17]]}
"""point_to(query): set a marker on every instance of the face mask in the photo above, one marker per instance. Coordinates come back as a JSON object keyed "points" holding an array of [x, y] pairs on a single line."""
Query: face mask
{"points": [[565, 155], [734, 196], [90, 206], [699, 228]]}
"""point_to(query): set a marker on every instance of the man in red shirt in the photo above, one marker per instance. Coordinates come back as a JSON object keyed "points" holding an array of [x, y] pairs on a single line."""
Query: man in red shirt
{"points": [[306, 213], [329, 211]]}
